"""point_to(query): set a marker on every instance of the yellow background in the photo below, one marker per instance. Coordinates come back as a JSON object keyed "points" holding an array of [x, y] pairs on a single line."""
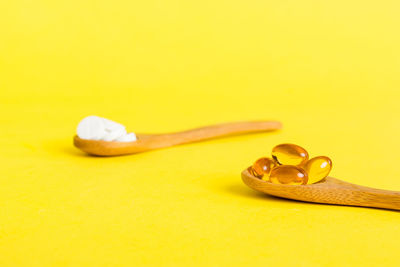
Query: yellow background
{"points": [[329, 70]]}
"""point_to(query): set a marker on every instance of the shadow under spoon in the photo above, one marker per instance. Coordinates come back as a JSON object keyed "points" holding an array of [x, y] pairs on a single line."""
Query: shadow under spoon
{"points": [[328, 191], [147, 142]]}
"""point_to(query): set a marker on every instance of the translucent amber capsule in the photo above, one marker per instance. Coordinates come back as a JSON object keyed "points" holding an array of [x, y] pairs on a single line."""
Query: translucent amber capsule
{"points": [[317, 168], [262, 167], [288, 174], [289, 154]]}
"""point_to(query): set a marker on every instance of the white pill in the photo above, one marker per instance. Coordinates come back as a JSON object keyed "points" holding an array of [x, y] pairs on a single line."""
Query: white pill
{"points": [[112, 125], [130, 137], [114, 135], [97, 128], [91, 127]]}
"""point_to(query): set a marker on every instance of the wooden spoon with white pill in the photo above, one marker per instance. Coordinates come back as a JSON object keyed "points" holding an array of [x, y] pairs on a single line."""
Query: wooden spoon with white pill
{"points": [[328, 191], [147, 142]]}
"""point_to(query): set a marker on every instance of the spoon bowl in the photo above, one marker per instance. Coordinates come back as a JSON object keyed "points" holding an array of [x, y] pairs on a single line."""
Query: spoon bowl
{"points": [[147, 142], [328, 191]]}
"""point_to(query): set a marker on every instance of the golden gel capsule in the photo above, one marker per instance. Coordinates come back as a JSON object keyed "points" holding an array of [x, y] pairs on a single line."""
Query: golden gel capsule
{"points": [[262, 167], [317, 168], [288, 174], [289, 154]]}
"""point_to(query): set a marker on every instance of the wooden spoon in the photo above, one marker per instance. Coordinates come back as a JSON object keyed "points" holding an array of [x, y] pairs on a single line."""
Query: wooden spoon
{"points": [[146, 142], [328, 191]]}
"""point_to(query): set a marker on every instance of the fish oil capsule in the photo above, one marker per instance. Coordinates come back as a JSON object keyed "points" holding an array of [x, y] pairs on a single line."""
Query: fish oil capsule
{"points": [[317, 168], [262, 167], [289, 154], [288, 174]]}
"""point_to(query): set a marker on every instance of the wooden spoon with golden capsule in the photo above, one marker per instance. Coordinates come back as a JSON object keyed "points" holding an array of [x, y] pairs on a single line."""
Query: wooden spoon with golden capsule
{"points": [[147, 142], [328, 191]]}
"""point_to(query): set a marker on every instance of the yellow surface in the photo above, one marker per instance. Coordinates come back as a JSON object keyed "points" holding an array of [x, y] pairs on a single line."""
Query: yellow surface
{"points": [[329, 70]]}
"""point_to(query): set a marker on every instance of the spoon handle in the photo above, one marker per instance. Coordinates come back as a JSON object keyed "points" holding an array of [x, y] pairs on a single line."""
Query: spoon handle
{"points": [[216, 131], [335, 191], [328, 191], [358, 195]]}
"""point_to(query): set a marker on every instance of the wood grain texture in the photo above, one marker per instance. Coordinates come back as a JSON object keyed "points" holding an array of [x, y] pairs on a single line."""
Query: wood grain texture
{"points": [[148, 142], [328, 191]]}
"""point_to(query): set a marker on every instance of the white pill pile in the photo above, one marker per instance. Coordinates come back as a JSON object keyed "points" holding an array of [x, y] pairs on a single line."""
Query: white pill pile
{"points": [[97, 128]]}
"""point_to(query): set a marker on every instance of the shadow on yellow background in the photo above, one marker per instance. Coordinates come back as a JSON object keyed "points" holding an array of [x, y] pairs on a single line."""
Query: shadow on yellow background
{"points": [[328, 70]]}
